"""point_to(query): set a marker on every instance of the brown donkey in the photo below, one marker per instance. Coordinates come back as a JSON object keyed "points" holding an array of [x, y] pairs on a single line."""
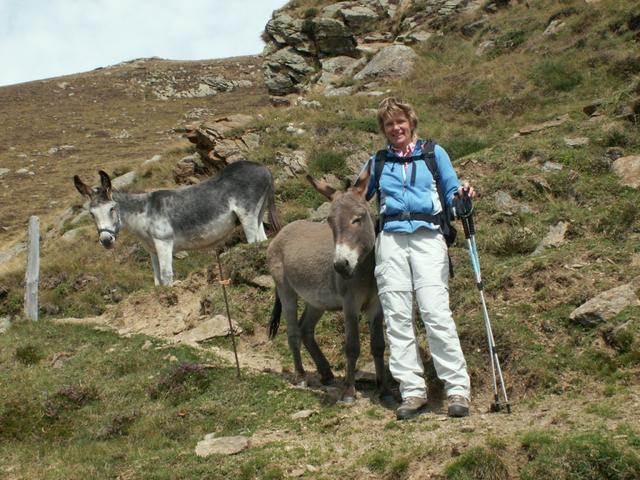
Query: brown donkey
{"points": [[330, 266]]}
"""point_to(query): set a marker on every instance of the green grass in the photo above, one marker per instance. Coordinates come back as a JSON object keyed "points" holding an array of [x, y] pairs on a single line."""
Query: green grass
{"points": [[77, 418], [477, 463], [587, 456]]}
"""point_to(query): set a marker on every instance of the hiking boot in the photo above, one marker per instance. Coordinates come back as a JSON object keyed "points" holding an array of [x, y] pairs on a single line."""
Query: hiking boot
{"points": [[411, 407], [458, 406]]}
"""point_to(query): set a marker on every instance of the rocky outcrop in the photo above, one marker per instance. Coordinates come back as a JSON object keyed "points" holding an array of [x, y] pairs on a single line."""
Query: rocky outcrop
{"points": [[218, 145], [300, 50]]}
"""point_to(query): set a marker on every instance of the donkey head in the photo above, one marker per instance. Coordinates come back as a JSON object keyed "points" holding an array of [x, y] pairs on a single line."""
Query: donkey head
{"points": [[351, 223], [102, 207]]}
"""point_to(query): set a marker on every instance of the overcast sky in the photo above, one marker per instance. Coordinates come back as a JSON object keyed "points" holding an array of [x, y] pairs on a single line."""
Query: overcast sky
{"points": [[47, 38]]}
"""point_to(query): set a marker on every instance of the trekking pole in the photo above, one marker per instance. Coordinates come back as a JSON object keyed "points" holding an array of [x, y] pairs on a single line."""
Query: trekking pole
{"points": [[224, 283], [463, 210]]}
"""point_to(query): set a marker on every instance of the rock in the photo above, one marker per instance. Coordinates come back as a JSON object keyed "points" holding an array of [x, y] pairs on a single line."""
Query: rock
{"points": [[392, 61], [507, 205], [286, 30], [576, 142], [321, 213], [606, 305], [334, 38], [356, 161], [294, 163], [302, 414], [217, 326], [554, 238], [221, 446], [470, 29], [414, 37], [551, 166], [4, 171], [338, 91], [124, 180], [24, 171], [628, 169], [264, 281], [554, 27], [308, 103], [359, 18], [484, 47], [541, 126]]}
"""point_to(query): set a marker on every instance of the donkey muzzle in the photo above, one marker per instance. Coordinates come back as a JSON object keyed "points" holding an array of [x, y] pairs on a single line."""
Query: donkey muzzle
{"points": [[345, 260], [107, 238]]}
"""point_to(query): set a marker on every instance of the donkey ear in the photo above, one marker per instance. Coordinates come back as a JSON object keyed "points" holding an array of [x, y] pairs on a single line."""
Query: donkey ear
{"points": [[360, 187], [106, 182], [322, 187], [81, 187]]}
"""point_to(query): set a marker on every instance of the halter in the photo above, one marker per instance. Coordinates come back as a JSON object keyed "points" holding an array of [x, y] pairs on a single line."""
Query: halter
{"points": [[117, 223]]}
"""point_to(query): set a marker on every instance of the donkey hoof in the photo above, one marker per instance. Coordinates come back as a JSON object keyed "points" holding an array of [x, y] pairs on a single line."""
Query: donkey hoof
{"points": [[348, 399]]}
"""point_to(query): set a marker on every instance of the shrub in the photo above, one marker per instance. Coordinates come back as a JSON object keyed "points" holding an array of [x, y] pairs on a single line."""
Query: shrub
{"points": [[460, 146], [28, 354], [555, 76], [507, 42], [327, 161], [477, 464], [181, 382]]}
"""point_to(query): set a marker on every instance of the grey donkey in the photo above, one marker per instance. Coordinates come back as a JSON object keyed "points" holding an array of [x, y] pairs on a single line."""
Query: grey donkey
{"points": [[331, 267], [186, 218]]}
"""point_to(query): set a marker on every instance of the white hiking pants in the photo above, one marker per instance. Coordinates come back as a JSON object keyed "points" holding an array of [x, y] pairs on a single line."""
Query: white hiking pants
{"points": [[408, 262]]}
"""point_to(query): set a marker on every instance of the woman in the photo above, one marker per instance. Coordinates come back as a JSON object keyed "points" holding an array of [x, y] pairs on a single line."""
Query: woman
{"points": [[412, 258]]}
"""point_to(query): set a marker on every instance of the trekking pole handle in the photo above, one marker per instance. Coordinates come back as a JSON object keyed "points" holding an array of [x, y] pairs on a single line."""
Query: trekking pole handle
{"points": [[463, 210]]}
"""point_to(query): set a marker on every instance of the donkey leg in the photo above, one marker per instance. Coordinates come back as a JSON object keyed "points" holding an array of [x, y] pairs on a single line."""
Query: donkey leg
{"points": [[289, 300], [155, 264], [376, 327], [308, 323], [352, 350], [164, 250], [252, 225]]}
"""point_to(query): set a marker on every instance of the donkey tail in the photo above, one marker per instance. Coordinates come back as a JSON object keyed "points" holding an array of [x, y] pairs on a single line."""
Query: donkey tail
{"points": [[274, 219], [275, 317]]}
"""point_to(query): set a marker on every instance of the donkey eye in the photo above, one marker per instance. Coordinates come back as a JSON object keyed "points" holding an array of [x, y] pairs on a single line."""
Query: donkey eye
{"points": [[356, 220]]}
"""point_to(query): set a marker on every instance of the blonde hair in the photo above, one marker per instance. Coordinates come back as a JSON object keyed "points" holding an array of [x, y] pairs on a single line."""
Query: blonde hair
{"points": [[392, 106]]}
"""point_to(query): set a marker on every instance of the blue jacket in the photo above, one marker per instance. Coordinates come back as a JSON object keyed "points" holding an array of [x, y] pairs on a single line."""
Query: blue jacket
{"points": [[398, 194]]}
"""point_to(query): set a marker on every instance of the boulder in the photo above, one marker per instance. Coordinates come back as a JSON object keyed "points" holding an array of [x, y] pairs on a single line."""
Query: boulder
{"points": [[554, 238], [628, 169], [217, 326], [359, 18], [392, 61], [221, 446], [333, 38], [606, 305]]}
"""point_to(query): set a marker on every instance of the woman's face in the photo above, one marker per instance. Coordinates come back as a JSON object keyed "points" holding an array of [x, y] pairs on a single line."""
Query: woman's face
{"points": [[397, 129]]}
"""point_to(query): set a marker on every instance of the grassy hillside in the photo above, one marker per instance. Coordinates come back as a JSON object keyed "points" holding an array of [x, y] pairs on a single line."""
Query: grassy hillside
{"points": [[575, 389]]}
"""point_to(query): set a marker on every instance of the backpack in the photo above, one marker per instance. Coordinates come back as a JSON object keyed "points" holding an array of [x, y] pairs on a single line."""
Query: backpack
{"points": [[442, 219]]}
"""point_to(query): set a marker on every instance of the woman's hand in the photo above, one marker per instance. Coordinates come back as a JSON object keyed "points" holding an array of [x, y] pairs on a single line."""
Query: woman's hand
{"points": [[470, 191]]}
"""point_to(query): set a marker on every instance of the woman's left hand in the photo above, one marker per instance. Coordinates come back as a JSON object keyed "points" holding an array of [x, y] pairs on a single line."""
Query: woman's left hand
{"points": [[470, 191]]}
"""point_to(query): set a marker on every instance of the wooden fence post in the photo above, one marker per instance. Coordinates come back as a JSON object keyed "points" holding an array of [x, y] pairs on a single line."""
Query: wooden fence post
{"points": [[33, 270]]}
